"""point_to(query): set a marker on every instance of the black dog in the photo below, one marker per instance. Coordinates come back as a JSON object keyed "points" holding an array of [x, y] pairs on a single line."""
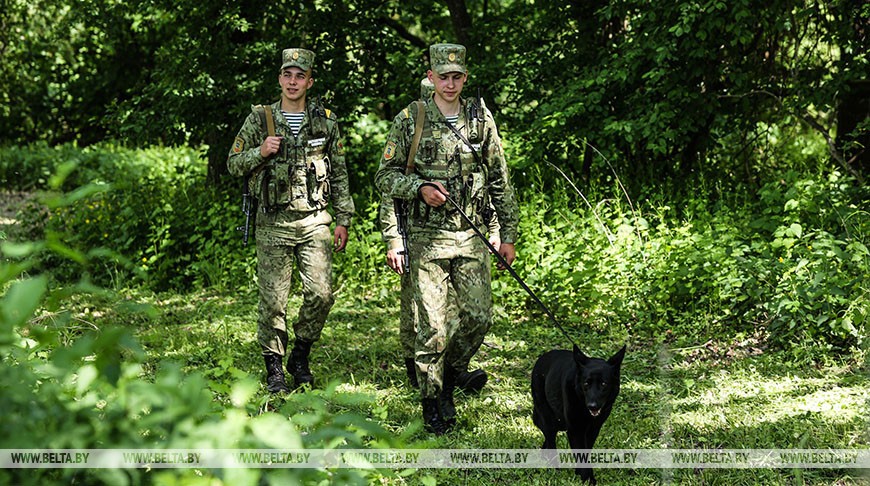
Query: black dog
{"points": [[574, 393]]}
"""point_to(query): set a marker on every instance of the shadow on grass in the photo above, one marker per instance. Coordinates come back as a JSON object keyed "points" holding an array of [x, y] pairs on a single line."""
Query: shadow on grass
{"points": [[669, 402]]}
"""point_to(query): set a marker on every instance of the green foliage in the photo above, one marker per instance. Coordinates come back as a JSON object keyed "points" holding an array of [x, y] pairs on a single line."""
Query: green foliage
{"points": [[666, 90], [792, 265], [143, 214], [65, 388], [671, 89]]}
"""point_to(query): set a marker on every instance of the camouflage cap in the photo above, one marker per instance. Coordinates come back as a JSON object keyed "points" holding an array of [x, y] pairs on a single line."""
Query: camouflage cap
{"points": [[447, 58], [301, 58], [426, 88]]}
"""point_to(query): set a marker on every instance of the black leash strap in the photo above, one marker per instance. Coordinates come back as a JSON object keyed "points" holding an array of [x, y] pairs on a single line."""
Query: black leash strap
{"points": [[465, 141], [506, 265]]}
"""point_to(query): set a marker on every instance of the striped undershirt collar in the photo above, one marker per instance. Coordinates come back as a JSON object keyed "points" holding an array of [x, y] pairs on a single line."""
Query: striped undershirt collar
{"points": [[294, 120]]}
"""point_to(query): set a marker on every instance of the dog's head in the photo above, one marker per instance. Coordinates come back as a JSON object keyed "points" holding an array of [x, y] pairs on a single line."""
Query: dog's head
{"points": [[598, 379]]}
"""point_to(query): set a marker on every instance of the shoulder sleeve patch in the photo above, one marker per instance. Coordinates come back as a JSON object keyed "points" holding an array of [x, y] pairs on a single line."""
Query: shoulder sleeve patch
{"points": [[238, 145], [406, 113], [390, 150]]}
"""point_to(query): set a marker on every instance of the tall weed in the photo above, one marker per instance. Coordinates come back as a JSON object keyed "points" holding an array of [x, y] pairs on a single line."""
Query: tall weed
{"points": [[792, 265]]}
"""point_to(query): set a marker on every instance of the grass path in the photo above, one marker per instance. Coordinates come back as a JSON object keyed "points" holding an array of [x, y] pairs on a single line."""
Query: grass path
{"points": [[713, 395]]}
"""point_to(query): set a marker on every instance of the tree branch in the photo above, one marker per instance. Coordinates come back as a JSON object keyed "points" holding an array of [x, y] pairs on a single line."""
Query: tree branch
{"points": [[404, 33], [832, 145]]}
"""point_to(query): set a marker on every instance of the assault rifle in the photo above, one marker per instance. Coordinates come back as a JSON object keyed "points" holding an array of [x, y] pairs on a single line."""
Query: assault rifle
{"points": [[400, 207], [249, 208]]}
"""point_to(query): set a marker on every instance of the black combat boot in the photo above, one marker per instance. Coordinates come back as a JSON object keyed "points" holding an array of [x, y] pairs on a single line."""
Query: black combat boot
{"points": [[411, 368], [445, 398], [471, 381], [432, 417], [297, 364], [274, 374]]}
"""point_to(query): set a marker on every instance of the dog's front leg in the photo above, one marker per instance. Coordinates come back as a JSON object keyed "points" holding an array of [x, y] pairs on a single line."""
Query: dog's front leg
{"points": [[592, 431], [577, 440]]}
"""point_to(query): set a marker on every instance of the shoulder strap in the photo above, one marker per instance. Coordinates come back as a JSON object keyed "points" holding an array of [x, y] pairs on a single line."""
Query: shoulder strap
{"points": [[418, 133], [265, 112], [464, 140], [270, 122]]}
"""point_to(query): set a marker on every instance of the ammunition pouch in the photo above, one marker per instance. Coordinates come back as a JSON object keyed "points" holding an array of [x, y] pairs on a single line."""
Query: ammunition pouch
{"points": [[318, 180], [297, 187], [470, 194], [299, 179]]}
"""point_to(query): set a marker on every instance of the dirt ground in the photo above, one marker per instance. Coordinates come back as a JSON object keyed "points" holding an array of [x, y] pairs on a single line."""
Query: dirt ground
{"points": [[10, 203]]}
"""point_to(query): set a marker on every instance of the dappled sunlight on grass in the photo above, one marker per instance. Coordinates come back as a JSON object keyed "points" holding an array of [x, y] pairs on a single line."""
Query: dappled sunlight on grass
{"points": [[757, 399], [682, 401]]}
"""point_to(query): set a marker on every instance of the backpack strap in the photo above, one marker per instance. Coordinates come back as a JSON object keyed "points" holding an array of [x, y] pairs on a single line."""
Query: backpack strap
{"points": [[265, 112], [418, 134], [270, 122]]}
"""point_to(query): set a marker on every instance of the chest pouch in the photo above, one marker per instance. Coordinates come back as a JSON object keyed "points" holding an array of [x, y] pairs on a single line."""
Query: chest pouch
{"points": [[318, 169], [277, 187], [475, 119]]}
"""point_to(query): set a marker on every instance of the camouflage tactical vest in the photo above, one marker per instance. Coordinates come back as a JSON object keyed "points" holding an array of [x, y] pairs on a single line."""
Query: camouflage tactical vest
{"points": [[443, 156], [297, 177]]}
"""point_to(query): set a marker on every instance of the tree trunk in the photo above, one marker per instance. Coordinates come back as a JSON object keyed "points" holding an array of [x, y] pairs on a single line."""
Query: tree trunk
{"points": [[854, 109], [461, 21]]}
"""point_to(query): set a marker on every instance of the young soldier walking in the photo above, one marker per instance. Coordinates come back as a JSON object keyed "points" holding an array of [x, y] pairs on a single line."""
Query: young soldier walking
{"points": [[291, 153], [468, 381], [459, 155]]}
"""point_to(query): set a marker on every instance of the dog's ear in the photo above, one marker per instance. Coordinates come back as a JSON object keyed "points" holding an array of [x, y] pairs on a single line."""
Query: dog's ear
{"points": [[580, 358], [616, 359]]}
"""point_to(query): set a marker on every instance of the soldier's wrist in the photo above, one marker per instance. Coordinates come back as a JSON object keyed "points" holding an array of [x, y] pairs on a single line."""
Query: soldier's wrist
{"points": [[394, 244]]}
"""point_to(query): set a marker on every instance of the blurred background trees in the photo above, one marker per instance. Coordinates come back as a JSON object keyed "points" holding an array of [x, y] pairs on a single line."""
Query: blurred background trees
{"points": [[667, 91]]}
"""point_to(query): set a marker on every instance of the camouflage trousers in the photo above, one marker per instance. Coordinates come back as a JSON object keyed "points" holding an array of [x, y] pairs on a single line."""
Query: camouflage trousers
{"points": [[457, 265], [307, 242], [408, 316]]}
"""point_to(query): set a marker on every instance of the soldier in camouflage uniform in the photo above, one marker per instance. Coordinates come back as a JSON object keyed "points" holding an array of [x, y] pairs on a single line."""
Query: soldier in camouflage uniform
{"points": [[294, 174], [460, 155], [468, 381]]}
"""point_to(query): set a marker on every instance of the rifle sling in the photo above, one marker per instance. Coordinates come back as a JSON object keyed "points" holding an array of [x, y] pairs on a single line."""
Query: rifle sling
{"points": [[465, 141], [399, 204], [270, 129], [270, 122], [418, 134]]}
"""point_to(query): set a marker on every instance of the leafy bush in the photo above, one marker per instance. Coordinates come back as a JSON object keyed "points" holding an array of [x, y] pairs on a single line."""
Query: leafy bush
{"points": [[63, 388], [792, 264], [149, 206]]}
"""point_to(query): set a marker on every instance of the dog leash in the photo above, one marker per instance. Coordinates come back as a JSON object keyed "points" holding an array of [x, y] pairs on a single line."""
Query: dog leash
{"points": [[504, 263]]}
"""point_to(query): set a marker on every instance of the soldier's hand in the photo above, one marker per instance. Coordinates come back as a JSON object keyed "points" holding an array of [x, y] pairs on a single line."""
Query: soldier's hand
{"points": [[395, 260], [433, 194], [270, 146], [340, 238], [509, 253], [495, 241]]}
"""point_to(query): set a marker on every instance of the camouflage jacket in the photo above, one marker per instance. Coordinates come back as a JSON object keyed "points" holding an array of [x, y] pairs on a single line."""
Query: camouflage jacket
{"points": [[390, 229], [306, 174], [474, 183]]}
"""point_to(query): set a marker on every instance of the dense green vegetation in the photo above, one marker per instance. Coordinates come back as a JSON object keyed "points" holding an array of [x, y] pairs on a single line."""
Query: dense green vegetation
{"points": [[692, 178], [716, 300]]}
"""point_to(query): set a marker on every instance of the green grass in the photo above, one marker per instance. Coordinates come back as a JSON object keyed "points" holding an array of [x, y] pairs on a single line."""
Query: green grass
{"points": [[716, 394]]}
